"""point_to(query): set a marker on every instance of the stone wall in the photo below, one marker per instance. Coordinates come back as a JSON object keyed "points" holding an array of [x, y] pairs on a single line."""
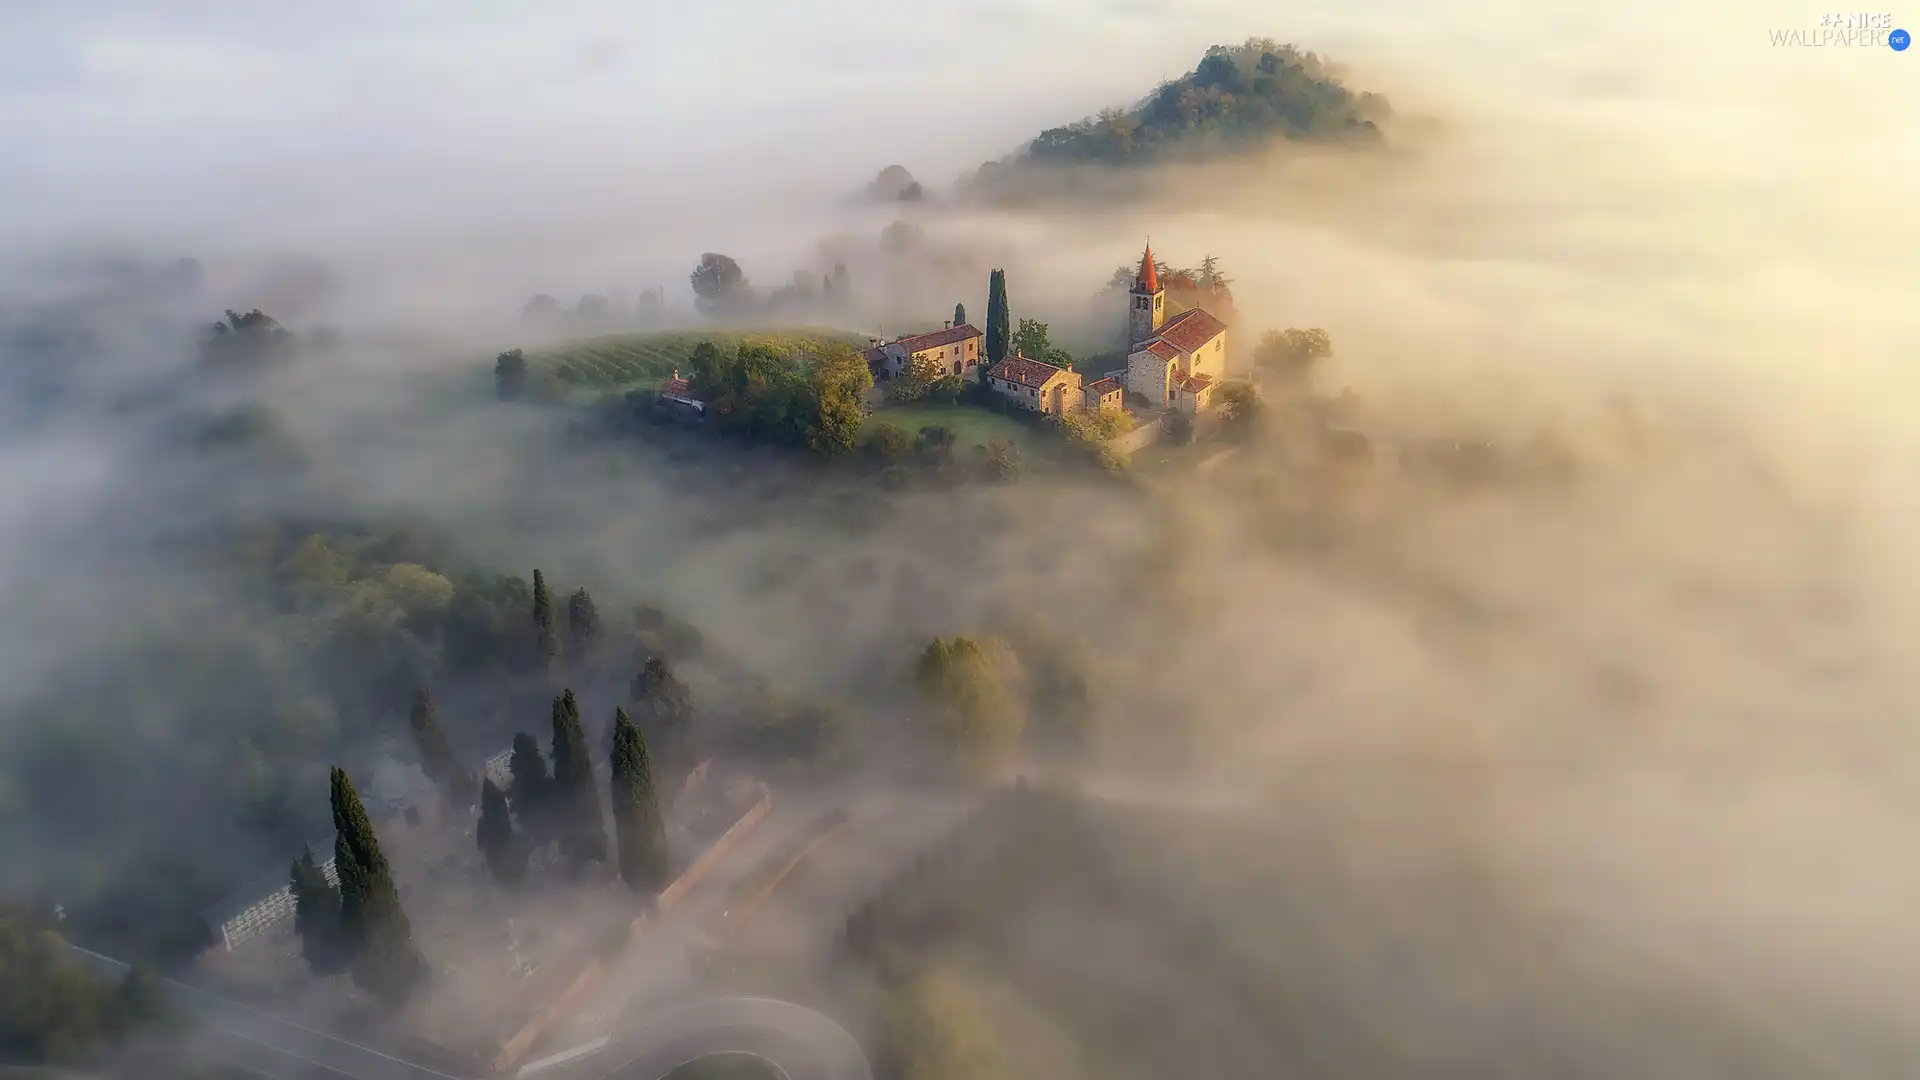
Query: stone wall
{"points": [[1145, 433]]}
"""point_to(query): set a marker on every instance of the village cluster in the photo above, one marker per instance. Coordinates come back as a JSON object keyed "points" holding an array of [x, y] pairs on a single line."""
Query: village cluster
{"points": [[1172, 363]]}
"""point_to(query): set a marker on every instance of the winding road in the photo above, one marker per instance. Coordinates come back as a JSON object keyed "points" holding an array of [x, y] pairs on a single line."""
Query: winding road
{"points": [[799, 1043]]}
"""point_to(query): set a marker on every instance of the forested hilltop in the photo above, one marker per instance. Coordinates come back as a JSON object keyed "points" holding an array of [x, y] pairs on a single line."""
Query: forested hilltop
{"points": [[1238, 98]]}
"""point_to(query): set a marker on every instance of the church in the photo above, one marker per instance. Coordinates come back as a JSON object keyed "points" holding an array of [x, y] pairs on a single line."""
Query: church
{"points": [[1174, 363]]}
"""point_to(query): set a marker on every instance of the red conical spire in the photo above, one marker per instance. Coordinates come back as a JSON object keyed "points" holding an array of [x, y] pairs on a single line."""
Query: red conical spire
{"points": [[1148, 279]]}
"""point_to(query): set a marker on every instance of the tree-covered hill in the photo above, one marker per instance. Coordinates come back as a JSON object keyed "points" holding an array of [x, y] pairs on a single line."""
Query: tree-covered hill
{"points": [[1238, 98]]}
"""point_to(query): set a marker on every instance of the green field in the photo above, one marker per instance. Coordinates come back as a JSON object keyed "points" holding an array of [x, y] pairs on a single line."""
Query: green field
{"points": [[621, 361], [971, 426]]}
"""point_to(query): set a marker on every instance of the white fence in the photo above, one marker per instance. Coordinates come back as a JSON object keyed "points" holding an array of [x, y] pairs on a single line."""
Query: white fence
{"points": [[267, 912]]}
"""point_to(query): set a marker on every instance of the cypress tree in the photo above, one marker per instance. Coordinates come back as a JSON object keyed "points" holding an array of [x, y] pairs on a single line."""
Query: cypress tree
{"points": [[665, 705], [576, 805], [531, 788], [999, 324], [503, 845], [546, 644], [437, 758], [959, 314], [374, 929], [316, 916], [640, 832], [583, 621]]}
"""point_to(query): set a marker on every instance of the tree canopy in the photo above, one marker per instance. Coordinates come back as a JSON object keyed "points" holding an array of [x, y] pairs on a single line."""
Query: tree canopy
{"points": [[813, 399], [973, 688], [1238, 96], [246, 340], [510, 375], [719, 285]]}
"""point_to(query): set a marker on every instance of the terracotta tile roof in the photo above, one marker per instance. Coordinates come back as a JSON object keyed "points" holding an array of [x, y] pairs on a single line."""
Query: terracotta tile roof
{"points": [[1148, 279], [1163, 350], [678, 387], [1192, 384], [874, 357], [938, 338], [1104, 387], [1191, 329], [1025, 371]]}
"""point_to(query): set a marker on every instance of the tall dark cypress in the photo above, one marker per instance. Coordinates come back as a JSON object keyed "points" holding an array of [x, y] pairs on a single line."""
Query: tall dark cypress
{"points": [[959, 314], [583, 622], [531, 788], [437, 758], [503, 846], [316, 916], [576, 803], [640, 832], [999, 323], [374, 929], [546, 643]]}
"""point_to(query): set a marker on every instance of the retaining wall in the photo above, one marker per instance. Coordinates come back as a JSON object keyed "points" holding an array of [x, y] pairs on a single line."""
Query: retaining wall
{"points": [[1142, 436]]}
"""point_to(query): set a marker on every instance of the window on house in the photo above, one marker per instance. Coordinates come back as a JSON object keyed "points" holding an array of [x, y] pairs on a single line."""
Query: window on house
{"points": [[956, 367]]}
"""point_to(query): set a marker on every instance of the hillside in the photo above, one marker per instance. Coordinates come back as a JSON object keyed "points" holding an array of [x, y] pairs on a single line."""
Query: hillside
{"points": [[619, 361], [1237, 98]]}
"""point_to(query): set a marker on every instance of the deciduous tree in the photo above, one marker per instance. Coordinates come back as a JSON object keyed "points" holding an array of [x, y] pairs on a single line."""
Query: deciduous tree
{"points": [[835, 397], [510, 375], [719, 285], [972, 688], [1292, 354], [1030, 339], [1241, 411], [437, 758], [910, 386], [665, 706], [889, 441]]}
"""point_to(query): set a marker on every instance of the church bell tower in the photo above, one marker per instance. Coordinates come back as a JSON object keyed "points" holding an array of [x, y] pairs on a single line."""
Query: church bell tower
{"points": [[1146, 303]]}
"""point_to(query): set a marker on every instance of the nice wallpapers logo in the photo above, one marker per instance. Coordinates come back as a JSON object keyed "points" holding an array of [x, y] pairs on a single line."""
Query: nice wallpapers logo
{"points": [[1860, 29]]}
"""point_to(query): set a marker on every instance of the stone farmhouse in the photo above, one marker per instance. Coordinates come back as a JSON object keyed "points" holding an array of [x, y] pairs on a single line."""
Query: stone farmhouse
{"points": [[956, 350], [1037, 386], [1173, 363]]}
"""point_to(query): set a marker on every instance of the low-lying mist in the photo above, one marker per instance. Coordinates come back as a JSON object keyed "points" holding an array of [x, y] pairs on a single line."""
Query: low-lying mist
{"points": [[1659, 706]]}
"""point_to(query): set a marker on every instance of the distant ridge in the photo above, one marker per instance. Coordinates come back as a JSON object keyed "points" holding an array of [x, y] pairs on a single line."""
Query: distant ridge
{"points": [[1237, 99]]}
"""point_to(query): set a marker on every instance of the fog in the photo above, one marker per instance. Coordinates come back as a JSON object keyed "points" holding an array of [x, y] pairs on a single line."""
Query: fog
{"points": [[1661, 710]]}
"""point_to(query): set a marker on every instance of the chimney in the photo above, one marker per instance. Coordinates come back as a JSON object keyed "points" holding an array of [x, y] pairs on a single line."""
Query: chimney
{"points": [[946, 324], [676, 374]]}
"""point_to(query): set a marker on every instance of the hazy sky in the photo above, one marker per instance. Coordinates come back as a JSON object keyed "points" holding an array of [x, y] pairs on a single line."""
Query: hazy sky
{"points": [[1628, 135], [118, 110]]}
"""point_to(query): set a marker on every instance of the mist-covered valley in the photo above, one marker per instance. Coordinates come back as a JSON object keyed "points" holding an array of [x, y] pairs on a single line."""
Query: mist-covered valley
{"points": [[1517, 691]]}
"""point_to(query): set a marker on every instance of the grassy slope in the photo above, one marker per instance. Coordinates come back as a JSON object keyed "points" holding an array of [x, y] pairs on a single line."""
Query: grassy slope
{"points": [[619, 361], [972, 426]]}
